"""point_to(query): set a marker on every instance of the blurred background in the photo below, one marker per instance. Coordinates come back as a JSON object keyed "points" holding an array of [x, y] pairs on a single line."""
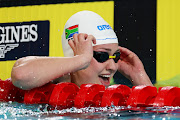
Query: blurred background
{"points": [[150, 28]]}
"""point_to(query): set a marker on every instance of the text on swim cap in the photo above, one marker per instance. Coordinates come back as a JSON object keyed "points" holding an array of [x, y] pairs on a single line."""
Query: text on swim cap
{"points": [[103, 27]]}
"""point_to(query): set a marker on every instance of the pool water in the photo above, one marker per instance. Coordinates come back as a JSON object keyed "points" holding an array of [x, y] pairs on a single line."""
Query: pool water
{"points": [[19, 111]]}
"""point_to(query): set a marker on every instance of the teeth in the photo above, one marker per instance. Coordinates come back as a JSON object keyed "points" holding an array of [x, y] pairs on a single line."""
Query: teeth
{"points": [[105, 76]]}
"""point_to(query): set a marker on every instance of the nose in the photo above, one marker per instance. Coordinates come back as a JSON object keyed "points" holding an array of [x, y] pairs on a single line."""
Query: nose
{"points": [[111, 65]]}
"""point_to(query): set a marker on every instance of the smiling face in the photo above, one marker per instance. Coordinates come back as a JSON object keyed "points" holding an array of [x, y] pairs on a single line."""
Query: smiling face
{"points": [[98, 73]]}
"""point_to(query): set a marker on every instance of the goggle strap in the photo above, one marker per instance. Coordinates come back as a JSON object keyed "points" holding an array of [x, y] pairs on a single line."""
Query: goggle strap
{"points": [[112, 56]]}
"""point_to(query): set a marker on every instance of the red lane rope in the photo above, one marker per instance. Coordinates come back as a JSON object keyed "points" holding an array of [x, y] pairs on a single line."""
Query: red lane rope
{"points": [[66, 95]]}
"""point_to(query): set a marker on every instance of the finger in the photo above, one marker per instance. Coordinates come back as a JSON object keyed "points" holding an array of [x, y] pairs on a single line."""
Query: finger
{"points": [[125, 52], [82, 37], [71, 44], [75, 37], [91, 38], [129, 56]]}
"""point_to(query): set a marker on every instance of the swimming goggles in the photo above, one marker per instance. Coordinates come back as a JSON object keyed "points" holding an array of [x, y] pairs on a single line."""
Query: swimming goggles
{"points": [[104, 56]]}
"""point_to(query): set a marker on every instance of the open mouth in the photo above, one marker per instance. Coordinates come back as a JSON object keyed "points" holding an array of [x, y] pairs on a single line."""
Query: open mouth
{"points": [[105, 79]]}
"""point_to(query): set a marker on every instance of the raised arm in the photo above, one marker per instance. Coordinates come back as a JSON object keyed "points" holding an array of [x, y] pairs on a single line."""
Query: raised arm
{"points": [[132, 68], [33, 71]]}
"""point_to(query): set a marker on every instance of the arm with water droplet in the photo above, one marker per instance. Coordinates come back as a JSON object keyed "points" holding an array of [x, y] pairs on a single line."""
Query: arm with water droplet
{"points": [[34, 71], [132, 68]]}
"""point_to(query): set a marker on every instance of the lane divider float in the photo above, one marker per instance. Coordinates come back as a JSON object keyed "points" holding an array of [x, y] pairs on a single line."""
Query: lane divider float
{"points": [[67, 95]]}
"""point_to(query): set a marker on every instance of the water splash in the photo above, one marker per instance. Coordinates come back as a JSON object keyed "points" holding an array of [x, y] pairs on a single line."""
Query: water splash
{"points": [[14, 110]]}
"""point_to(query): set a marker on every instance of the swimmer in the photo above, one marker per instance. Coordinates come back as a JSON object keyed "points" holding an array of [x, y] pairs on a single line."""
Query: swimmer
{"points": [[92, 55]]}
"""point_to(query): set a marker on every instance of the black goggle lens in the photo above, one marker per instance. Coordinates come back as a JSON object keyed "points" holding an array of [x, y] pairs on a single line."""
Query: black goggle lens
{"points": [[104, 56], [117, 57]]}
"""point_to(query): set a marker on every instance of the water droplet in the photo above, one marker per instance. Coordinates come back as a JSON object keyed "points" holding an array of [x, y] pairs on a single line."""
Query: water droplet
{"points": [[1, 90], [5, 116], [131, 15], [112, 105], [141, 74]]}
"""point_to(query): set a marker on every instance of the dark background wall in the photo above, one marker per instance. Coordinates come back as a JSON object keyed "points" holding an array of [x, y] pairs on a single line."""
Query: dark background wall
{"points": [[134, 24]]}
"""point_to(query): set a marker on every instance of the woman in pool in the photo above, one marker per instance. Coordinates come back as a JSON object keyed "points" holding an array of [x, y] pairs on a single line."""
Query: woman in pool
{"points": [[92, 55]]}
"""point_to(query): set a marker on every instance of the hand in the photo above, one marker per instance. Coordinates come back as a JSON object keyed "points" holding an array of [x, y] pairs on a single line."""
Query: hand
{"points": [[82, 45], [132, 68]]}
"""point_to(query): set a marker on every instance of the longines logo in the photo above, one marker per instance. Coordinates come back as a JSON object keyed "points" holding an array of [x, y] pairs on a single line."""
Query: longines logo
{"points": [[5, 48], [23, 39]]}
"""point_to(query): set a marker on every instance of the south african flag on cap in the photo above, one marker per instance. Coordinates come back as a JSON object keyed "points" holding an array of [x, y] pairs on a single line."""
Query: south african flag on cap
{"points": [[71, 31]]}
